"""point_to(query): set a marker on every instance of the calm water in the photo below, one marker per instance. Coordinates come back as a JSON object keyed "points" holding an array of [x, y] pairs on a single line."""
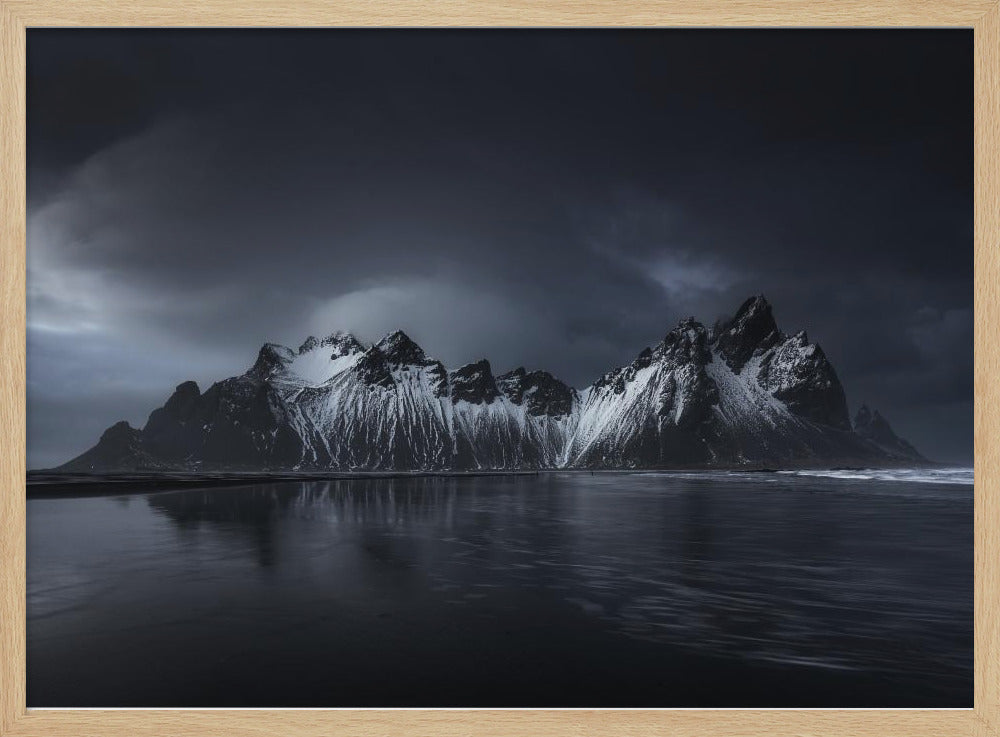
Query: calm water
{"points": [[659, 589]]}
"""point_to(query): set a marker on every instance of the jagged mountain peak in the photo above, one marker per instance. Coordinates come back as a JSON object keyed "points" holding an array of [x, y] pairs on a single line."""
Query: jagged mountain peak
{"points": [[373, 368], [541, 392], [398, 348], [276, 352], [342, 343], [756, 303], [480, 366], [867, 419], [799, 374], [751, 330], [754, 310], [120, 446], [309, 344], [270, 358], [474, 383], [689, 341], [119, 431], [319, 361], [181, 406], [390, 361], [184, 391], [872, 426], [522, 373]]}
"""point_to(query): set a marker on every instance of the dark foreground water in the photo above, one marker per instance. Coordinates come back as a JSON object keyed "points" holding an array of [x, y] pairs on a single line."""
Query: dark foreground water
{"points": [[662, 589]]}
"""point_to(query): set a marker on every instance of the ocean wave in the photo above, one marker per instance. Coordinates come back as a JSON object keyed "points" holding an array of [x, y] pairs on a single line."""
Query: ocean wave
{"points": [[963, 476]]}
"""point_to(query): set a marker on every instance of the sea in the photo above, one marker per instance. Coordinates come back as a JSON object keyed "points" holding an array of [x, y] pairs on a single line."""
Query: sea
{"points": [[839, 588]]}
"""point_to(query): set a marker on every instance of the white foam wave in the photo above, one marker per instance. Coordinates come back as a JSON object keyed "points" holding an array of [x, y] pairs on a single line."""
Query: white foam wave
{"points": [[963, 476]]}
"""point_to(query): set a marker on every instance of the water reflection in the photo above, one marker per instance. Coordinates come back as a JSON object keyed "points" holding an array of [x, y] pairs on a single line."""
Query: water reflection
{"points": [[469, 580]]}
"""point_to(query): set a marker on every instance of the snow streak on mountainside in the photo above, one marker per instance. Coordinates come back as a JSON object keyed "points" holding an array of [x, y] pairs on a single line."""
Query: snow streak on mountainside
{"points": [[741, 393]]}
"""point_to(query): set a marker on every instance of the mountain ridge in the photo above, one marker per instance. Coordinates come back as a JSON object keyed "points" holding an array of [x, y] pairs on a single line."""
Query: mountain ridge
{"points": [[739, 394]]}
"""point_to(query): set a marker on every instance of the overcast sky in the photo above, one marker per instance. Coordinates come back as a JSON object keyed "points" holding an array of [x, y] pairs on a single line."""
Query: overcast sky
{"points": [[556, 200]]}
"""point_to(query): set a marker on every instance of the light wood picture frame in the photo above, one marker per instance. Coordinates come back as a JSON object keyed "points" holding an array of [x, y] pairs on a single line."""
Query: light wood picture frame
{"points": [[983, 16]]}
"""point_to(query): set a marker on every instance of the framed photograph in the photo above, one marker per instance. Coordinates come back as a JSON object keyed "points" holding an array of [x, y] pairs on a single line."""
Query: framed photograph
{"points": [[450, 368]]}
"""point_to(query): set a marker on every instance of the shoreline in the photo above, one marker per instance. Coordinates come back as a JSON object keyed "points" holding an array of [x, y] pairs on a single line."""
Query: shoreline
{"points": [[46, 484]]}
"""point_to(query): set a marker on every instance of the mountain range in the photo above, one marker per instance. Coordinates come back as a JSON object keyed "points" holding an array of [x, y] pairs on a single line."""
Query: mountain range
{"points": [[738, 394]]}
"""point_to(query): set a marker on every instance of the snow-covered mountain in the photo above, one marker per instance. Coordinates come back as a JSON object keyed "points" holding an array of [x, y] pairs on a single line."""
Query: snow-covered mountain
{"points": [[739, 394]]}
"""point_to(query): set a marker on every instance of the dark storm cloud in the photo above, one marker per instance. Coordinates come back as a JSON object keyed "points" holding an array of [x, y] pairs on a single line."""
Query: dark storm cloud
{"points": [[551, 199]]}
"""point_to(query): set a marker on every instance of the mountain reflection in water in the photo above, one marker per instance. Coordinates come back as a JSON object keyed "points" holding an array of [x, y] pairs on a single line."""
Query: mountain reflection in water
{"points": [[562, 589]]}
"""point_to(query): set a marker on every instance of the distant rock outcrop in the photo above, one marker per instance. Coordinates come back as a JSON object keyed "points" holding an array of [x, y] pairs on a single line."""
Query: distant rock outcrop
{"points": [[874, 428]]}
